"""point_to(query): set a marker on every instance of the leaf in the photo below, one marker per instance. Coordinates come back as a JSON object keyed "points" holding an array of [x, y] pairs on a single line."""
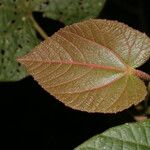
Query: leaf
{"points": [[70, 11], [17, 31], [133, 136], [17, 37], [90, 65]]}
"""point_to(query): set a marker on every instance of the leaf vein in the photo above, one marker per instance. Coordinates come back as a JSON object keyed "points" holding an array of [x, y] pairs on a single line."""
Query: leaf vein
{"points": [[106, 48]]}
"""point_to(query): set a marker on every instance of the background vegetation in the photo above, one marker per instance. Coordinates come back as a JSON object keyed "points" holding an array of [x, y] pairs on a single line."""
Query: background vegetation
{"points": [[31, 118]]}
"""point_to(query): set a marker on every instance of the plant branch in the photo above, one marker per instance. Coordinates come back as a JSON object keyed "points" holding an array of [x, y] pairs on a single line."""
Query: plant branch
{"points": [[38, 28]]}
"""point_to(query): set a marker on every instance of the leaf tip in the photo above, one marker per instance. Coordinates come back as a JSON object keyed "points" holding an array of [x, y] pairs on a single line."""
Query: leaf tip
{"points": [[20, 60]]}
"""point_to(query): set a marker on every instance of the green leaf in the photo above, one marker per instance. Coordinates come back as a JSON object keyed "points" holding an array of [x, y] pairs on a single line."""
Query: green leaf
{"points": [[17, 37], [90, 65], [134, 136], [17, 30], [70, 11]]}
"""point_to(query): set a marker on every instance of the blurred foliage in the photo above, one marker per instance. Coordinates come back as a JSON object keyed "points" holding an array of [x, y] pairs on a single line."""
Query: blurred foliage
{"points": [[18, 33]]}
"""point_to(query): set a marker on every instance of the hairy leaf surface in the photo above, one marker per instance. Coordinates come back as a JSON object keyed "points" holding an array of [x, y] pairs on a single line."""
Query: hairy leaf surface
{"points": [[133, 136], [90, 65]]}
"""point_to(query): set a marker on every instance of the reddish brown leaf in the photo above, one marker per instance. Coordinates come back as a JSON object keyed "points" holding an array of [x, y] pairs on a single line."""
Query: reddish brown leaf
{"points": [[90, 65]]}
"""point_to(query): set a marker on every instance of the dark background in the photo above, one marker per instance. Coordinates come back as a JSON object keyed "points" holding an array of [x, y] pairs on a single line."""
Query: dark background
{"points": [[33, 119]]}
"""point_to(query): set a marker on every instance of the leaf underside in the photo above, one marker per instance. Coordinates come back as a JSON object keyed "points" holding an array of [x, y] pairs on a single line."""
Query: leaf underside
{"points": [[89, 66], [18, 35], [134, 136]]}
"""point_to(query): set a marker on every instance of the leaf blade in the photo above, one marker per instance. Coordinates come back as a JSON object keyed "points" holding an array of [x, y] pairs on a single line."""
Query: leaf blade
{"points": [[116, 35], [17, 38], [128, 136], [69, 11], [86, 74]]}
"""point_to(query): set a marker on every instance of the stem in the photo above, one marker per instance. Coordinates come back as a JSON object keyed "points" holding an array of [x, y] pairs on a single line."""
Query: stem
{"points": [[142, 74], [38, 28]]}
